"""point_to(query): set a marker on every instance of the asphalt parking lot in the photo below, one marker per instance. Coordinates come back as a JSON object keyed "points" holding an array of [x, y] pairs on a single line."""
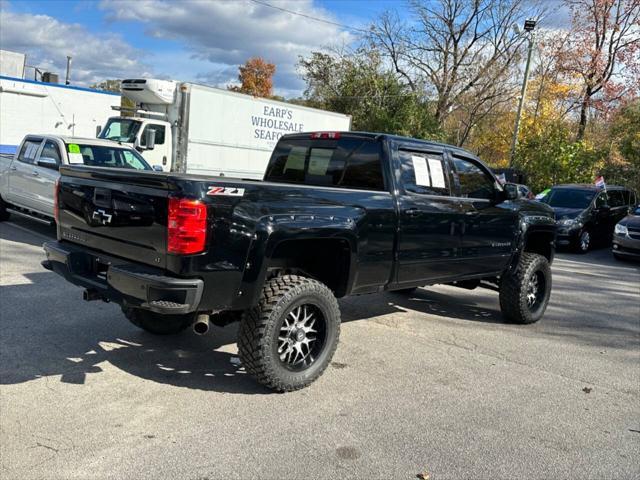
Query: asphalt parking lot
{"points": [[430, 383]]}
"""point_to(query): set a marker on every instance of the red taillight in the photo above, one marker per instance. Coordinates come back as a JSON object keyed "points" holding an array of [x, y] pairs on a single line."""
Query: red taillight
{"points": [[56, 202], [327, 135], [187, 226]]}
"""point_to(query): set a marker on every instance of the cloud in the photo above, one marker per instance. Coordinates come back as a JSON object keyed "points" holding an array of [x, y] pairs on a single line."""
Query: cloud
{"points": [[47, 41], [226, 34]]}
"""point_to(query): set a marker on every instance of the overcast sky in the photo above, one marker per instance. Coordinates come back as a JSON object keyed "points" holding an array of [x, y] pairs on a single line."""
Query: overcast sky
{"points": [[198, 40]]}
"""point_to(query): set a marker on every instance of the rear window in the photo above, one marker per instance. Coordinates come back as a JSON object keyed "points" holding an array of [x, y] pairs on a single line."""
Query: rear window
{"points": [[348, 162]]}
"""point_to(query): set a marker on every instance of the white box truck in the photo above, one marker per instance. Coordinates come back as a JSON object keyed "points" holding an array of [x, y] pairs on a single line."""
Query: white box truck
{"points": [[186, 127], [29, 107]]}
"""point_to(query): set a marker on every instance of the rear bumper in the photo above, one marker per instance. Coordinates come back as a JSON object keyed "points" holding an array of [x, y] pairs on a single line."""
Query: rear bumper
{"points": [[124, 282]]}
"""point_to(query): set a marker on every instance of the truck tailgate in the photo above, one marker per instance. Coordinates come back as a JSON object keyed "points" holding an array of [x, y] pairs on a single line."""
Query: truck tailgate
{"points": [[115, 211]]}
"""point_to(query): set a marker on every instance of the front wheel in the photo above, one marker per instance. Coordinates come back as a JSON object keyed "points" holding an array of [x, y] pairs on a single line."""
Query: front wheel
{"points": [[288, 340], [524, 294], [157, 323], [583, 243]]}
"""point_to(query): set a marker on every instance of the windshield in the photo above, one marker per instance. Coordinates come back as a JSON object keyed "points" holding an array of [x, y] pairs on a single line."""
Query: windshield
{"points": [[105, 156], [121, 130], [565, 198]]}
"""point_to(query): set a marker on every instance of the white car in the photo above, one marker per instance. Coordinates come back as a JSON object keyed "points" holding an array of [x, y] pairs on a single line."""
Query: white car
{"points": [[28, 178]]}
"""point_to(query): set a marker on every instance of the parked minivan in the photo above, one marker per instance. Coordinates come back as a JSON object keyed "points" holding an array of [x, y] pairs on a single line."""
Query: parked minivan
{"points": [[586, 215]]}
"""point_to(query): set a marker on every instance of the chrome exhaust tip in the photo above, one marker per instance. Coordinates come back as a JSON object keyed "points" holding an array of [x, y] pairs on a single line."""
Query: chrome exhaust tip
{"points": [[201, 325]]}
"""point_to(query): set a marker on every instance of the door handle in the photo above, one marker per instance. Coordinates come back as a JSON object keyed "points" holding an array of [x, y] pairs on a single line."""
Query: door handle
{"points": [[412, 212]]}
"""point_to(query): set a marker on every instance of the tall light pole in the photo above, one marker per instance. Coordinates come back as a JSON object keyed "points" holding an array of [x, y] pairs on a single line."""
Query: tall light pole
{"points": [[529, 26]]}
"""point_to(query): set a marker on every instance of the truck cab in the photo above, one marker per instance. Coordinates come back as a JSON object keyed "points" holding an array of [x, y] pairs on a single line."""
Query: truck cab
{"points": [[149, 136]]}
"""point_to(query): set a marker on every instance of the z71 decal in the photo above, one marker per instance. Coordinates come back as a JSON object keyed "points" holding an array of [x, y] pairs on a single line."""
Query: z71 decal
{"points": [[226, 191]]}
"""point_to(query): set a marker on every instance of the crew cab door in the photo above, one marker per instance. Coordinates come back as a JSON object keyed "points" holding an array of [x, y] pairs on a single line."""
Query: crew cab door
{"points": [[428, 236], [488, 226], [44, 176], [22, 173]]}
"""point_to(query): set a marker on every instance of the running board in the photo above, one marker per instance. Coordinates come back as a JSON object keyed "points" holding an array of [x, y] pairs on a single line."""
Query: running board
{"points": [[30, 216]]}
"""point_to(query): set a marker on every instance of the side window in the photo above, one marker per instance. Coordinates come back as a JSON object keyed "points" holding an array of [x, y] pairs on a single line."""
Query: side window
{"points": [[29, 151], [51, 150], [364, 168], [616, 199], [474, 182], [349, 162], [423, 173], [159, 129], [601, 200], [633, 199]]}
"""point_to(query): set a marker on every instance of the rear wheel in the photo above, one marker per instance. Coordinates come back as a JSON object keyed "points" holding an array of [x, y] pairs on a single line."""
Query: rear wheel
{"points": [[157, 323], [288, 340], [524, 294]]}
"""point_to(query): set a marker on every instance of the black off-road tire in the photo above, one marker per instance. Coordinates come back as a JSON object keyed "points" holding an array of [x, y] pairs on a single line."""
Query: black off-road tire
{"points": [[4, 214], [514, 290], [157, 323], [260, 329]]}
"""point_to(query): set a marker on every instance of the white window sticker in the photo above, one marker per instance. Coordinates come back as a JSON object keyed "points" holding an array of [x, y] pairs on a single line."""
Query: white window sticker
{"points": [[76, 159], [437, 174], [31, 151], [421, 171]]}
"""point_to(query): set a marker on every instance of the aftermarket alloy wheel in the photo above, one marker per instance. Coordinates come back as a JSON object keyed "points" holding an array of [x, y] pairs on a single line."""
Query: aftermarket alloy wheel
{"points": [[288, 340], [524, 294], [157, 323]]}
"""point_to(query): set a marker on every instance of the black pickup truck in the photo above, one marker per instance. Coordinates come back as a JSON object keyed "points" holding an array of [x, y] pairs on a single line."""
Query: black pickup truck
{"points": [[338, 213]]}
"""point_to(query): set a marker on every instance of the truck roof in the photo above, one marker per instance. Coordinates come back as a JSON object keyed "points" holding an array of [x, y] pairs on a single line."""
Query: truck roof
{"points": [[83, 140], [397, 138], [586, 186]]}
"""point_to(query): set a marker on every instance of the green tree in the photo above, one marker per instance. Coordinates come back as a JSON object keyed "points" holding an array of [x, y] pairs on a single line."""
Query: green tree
{"points": [[360, 84]]}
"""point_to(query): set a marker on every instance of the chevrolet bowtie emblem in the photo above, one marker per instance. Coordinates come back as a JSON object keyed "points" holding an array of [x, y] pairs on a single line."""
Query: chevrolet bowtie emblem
{"points": [[102, 217]]}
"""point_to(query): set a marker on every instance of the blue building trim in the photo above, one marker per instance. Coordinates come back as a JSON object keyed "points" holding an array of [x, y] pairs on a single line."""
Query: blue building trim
{"points": [[82, 89], [8, 149]]}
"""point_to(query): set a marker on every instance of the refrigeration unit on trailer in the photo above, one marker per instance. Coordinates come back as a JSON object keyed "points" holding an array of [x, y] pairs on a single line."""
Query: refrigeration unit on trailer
{"points": [[186, 127], [29, 107]]}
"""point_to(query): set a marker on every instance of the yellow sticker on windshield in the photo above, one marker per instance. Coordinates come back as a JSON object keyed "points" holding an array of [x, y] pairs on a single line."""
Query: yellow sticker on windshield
{"points": [[74, 148]]}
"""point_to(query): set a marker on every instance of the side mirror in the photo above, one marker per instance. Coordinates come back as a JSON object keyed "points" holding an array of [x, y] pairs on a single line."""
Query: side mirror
{"points": [[98, 130], [150, 138], [48, 162], [510, 191], [157, 168]]}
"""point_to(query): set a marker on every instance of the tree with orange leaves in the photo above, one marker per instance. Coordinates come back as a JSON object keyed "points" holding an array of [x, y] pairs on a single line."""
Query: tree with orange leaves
{"points": [[256, 78]]}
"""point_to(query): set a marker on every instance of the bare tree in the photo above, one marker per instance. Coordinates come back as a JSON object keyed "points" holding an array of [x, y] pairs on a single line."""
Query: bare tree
{"points": [[463, 53]]}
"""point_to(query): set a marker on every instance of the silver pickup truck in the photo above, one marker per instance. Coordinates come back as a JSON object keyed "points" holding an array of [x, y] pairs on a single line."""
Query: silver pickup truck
{"points": [[28, 177]]}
